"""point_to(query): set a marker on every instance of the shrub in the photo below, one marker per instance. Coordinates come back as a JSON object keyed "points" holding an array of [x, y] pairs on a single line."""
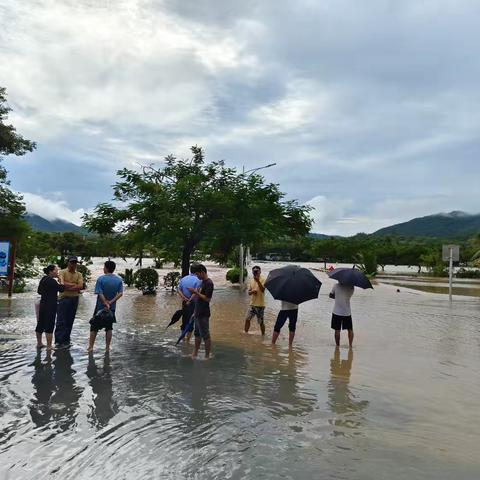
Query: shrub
{"points": [[85, 271], [127, 277], [464, 273], [171, 280], [146, 280], [233, 275]]}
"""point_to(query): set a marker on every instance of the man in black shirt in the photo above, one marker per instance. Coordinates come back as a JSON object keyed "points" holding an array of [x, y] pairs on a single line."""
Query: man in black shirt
{"points": [[202, 310]]}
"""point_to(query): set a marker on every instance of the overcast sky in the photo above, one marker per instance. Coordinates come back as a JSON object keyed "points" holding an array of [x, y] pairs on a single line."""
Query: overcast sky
{"points": [[371, 109]]}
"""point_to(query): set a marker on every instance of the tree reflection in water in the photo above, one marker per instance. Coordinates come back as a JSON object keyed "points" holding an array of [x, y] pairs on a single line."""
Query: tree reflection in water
{"points": [[341, 400]]}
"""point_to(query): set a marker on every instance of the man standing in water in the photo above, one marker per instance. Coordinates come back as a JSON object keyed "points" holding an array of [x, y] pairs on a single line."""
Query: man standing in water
{"points": [[188, 300], [256, 290], [342, 313], [68, 302], [109, 288], [203, 295]]}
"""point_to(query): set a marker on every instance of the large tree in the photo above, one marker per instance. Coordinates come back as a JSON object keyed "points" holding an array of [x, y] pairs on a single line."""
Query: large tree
{"points": [[11, 143], [191, 205]]}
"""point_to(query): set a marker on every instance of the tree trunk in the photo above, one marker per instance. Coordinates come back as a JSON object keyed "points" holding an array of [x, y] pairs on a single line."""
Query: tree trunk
{"points": [[186, 254]]}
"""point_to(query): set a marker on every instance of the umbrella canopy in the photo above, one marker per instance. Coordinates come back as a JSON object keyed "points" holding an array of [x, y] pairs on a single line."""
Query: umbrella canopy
{"points": [[351, 277], [185, 330], [293, 284], [175, 317]]}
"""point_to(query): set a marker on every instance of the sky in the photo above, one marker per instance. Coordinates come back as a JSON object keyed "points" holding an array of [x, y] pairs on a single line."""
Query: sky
{"points": [[370, 110]]}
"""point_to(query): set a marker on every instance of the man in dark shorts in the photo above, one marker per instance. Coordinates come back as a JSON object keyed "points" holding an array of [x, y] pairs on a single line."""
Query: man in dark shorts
{"points": [[342, 313], [109, 288], [203, 296]]}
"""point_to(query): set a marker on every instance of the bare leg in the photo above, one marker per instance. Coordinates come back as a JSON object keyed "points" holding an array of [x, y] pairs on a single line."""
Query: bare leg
{"points": [[247, 324], [350, 338], [291, 336], [49, 340], [93, 336], [108, 339], [274, 337], [337, 337], [262, 328], [196, 348], [39, 340], [208, 346], [188, 336]]}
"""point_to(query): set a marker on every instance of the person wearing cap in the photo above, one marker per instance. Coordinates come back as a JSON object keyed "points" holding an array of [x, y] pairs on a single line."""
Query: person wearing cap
{"points": [[72, 280]]}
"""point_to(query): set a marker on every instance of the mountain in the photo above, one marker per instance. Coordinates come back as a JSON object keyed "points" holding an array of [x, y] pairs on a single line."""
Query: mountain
{"points": [[43, 225], [443, 225], [322, 236]]}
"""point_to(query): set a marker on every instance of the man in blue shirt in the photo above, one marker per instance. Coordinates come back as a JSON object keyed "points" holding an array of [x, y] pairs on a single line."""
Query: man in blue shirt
{"points": [[109, 288], [188, 302]]}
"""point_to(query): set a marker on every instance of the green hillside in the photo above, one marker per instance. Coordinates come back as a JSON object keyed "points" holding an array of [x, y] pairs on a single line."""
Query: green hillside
{"points": [[454, 225]]}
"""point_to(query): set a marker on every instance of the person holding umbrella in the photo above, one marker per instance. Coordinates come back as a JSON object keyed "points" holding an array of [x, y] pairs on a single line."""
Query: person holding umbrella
{"points": [[292, 285], [342, 292], [188, 300], [342, 313]]}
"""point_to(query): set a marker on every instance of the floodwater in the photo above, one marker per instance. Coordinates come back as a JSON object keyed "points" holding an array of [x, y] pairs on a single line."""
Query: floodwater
{"points": [[403, 404]]}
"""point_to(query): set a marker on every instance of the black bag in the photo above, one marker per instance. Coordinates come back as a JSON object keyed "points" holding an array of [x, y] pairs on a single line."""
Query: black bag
{"points": [[101, 319]]}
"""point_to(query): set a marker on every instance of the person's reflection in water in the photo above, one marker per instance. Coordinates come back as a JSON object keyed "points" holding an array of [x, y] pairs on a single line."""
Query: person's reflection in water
{"points": [[104, 408], [64, 402], [43, 386], [340, 399]]}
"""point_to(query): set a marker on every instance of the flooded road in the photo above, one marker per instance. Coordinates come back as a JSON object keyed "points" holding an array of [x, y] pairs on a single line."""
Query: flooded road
{"points": [[403, 404]]}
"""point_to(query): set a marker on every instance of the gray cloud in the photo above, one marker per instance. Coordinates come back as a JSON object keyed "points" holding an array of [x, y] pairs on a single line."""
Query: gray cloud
{"points": [[370, 112]]}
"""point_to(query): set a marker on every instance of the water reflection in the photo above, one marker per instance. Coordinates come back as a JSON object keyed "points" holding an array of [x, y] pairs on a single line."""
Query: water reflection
{"points": [[43, 388], [104, 407], [341, 400]]}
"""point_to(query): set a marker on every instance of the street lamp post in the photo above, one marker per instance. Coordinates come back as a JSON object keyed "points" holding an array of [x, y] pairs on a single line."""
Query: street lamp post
{"points": [[242, 258]]}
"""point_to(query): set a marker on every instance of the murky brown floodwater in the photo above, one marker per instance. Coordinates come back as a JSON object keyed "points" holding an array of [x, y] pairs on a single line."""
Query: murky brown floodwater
{"points": [[404, 404]]}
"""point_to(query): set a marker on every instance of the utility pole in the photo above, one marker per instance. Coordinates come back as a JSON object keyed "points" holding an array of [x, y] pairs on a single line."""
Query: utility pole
{"points": [[242, 255]]}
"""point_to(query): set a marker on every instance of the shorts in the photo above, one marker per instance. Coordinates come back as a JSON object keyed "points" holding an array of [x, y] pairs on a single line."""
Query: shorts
{"points": [[258, 312], [283, 315], [340, 322], [46, 318], [107, 325], [202, 327]]}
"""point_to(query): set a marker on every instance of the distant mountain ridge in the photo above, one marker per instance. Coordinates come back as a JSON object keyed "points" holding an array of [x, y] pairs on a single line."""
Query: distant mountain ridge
{"points": [[452, 225], [59, 226]]}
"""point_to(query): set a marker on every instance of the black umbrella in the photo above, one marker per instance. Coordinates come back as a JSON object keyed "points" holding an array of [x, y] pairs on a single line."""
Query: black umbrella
{"points": [[351, 277], [293, 284], [175, 317]]}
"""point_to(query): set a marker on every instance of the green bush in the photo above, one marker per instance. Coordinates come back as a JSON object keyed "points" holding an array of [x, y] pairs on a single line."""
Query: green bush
{"points": [[464, 273], [233, 275], [146, 280], [171, 280], [85, 271], [127, 277]]}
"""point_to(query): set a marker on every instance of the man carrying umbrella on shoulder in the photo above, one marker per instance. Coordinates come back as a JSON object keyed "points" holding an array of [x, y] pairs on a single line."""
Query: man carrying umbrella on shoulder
{"points": [[342, 292], [342, 313]]}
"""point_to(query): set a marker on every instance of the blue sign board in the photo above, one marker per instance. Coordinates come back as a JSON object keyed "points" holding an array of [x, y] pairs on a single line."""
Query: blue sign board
{"points": [[4, 258]]}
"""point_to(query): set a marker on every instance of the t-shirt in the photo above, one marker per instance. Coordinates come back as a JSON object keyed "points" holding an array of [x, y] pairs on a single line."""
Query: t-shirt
{"points": [[109, 285], [257, 299], [191, 281], [288, 306], [343, 294], [68, 277], [48, 288], [202, 308]]}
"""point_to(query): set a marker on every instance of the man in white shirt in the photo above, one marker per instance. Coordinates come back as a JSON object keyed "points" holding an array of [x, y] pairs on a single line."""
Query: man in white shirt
{"points": [[342, 313]]}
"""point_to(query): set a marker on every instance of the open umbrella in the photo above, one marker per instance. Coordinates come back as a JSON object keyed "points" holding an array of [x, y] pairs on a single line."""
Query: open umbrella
{"points": [[352, 277], [175, 317], [293, 284]]}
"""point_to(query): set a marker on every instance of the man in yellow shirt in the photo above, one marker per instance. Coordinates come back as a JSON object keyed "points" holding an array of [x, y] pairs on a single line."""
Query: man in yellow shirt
{"points": [[68, 302], [256, 290]]}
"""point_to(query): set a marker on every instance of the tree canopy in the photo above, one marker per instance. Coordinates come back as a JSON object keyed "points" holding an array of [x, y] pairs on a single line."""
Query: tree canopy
{"points": [[192, 205], [11, 143]]}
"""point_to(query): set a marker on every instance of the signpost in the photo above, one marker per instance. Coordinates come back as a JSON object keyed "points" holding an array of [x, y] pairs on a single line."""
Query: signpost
{"points": [[450, 254], [8, 251]]}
